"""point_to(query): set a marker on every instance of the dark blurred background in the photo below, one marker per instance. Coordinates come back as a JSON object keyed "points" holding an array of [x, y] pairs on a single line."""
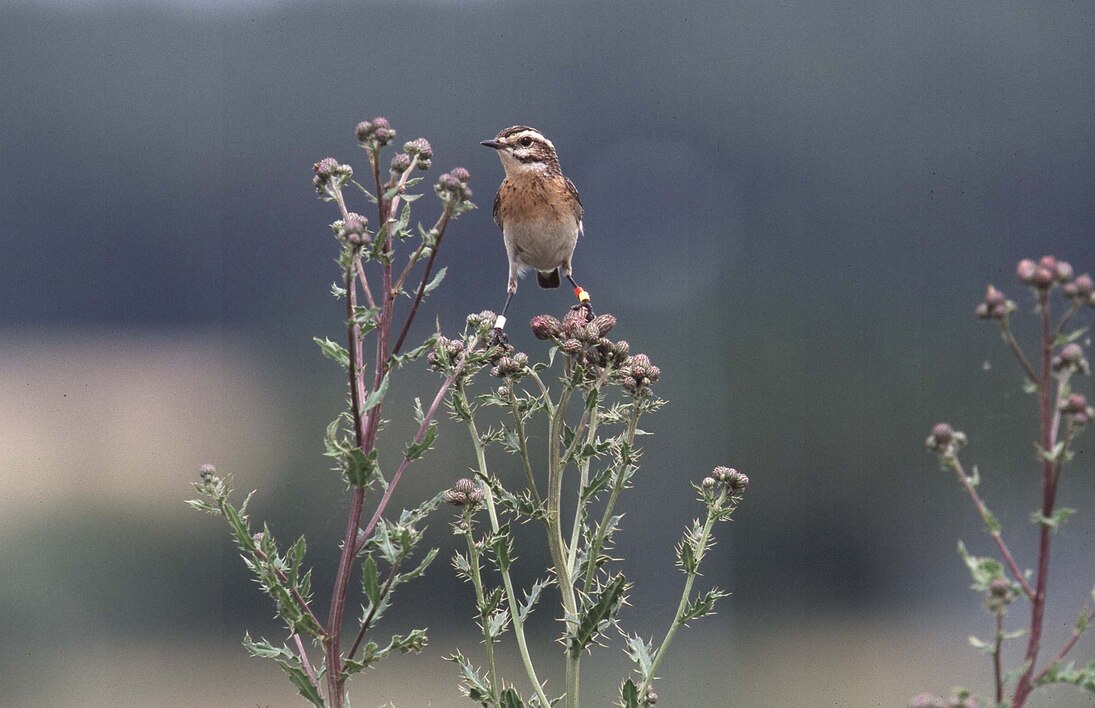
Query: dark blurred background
{"points": [[792, 207]]}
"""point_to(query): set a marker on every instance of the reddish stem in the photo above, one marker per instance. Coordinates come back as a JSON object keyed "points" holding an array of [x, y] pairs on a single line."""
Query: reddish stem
{"points": [[365, 433], [1049, 423]]}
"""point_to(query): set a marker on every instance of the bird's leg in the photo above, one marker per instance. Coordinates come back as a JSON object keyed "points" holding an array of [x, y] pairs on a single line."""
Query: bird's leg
{"points": [[583, 297], [498, 335]]}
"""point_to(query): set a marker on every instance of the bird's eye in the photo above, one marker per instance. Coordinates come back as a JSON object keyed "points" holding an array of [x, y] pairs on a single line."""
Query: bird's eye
{"points": [[525, 141]]}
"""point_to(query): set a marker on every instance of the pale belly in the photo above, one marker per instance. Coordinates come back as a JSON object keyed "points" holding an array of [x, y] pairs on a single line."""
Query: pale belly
{"points": [[543, 245]]}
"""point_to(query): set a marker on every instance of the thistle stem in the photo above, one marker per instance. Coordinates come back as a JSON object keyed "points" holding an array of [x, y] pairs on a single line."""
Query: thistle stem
{"points": [[686, 594], [617, 486], [481, 601], [1050, 420], [992, 527], [507, 580]]}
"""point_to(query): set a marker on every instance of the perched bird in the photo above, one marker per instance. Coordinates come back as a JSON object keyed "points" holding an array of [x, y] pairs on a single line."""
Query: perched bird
{"points": [[538, 210]]}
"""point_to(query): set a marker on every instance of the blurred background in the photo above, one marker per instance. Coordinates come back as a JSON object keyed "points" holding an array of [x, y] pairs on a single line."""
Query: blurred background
{"points": [[792, 207]]}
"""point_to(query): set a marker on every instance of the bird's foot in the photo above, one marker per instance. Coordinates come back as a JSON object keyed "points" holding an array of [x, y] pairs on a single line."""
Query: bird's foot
{"points": [[497, 338], [586, 309]]}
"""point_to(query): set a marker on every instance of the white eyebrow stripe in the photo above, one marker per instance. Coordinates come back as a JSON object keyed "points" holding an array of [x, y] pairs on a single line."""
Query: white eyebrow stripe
{"points": [[535, 135]]}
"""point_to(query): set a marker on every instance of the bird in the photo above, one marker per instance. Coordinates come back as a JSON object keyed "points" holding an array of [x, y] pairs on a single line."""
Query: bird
{"points": [[539, 212]]}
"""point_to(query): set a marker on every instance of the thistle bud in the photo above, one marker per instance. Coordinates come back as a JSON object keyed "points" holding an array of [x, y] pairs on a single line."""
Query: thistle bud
{"points": [[942, 437], [461, 174], [1000, 591], [603, 324], [421, 150], [1025, 271], [454, 497], [1084, 286], [1076, 403], [1063, 271], [465, 485], [1071, 357], [207, 472], [571, 347], [374, 133], [545, 327], [573, 322], [400, 164], [651, 697], [328, 174], [1043, 277]]}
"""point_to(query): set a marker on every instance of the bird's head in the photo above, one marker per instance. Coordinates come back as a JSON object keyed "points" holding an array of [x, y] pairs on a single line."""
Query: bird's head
{"points": [[524, 149]]}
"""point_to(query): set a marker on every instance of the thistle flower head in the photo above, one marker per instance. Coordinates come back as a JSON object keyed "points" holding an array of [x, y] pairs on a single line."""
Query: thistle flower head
{"points": [[420, 151], [400, 164], [465, 493], [454, 186], [546, 327], [510, 366], [1071, 359], [637, 373], [329, 175], [374, 134], [945, 440], [995, 305]]}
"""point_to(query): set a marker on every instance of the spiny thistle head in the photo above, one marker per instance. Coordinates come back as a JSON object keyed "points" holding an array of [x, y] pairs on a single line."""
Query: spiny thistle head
{"points": [[329, 175], [374, 134], [420, 151], [945, 441], [465, 493], [995, 305]]}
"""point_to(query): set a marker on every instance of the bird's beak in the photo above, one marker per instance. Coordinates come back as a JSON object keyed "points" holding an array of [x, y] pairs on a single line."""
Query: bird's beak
{"points": [[492, 144]]}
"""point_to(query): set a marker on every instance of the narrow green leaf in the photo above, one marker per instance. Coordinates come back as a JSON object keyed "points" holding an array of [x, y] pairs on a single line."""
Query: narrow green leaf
{"points": [[531, 598], [435, 281], [596, 619], [417, 449], [472, 685], [370, 580], [629, 695], [333, 351], [510, 699], [502, 546], [703, 606], [642, 653], [375, 397], [1060, 516], [361, 469]]}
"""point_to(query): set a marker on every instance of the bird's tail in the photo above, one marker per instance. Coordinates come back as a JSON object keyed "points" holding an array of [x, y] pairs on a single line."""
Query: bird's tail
{"points": [[549, 279]]}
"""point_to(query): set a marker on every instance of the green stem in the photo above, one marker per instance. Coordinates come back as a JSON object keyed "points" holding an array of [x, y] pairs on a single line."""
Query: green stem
{"points": [[583, 480], [555, 535], [613, 497], [507, 581], [481, 600], [522, 442], [686, 593]]}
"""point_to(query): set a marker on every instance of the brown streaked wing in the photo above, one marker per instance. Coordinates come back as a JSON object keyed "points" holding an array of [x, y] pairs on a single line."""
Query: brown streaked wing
{"points": [[573, 191], [497, 204]]}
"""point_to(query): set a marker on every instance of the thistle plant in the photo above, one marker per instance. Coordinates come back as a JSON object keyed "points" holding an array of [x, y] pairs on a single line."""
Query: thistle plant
{"points": [[1063, 415], [586, 399], [377, 266]]}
